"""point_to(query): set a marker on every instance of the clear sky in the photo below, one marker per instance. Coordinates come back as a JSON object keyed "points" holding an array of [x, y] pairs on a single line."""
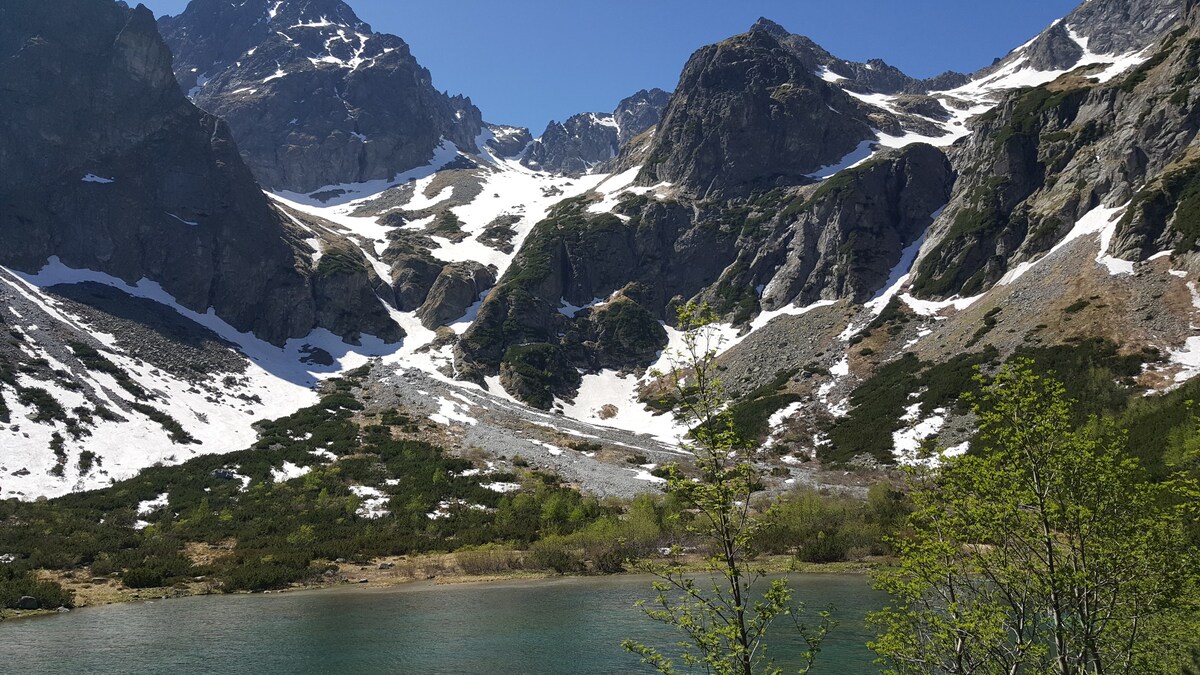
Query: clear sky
{"points": [[525, 62]]}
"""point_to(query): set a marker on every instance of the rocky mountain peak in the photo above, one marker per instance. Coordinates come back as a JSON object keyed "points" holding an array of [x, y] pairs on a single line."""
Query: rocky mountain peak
{"points": [[1119, 26], [586, 140], [748, 112], [1096, 27], [639, 112], [770, 27], [874, 76], [314, 97]]}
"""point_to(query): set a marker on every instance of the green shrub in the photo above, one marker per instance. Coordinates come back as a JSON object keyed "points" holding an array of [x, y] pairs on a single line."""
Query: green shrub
{"points": [[557, 554]]}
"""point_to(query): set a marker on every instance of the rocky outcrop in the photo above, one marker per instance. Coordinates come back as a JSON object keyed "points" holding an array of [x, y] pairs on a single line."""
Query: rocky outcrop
{"points": [[457, 287], [133, 181], [850, 233], [313, 96], [594, 287], [749, 114], [1103, 26], [574, 146], [586, 140], [508, 141], [1121, 26]]}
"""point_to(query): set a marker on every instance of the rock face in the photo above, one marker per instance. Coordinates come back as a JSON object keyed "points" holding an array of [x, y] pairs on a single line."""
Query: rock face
{"points": [[588, 139], [629, 269], [574, 146], [748, 113], [1044, 157], [639, 112], [313, 96], [1103, 26], [508, 141], [457, 287], [130, 179], [852, 231]]}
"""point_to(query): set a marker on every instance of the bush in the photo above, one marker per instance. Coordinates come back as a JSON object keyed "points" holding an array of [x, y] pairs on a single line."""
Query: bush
{"points": [[555, 553], [487, 559], [15, 584], [143, 577]]}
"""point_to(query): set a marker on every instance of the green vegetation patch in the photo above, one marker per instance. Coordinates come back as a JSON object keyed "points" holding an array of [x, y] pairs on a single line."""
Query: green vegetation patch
{"points": [[880, 402], [624, 327], [339, 261], [538, 371], [1027, 118], [1094, 371], [751, 413], [17, 582], [270, 534]]}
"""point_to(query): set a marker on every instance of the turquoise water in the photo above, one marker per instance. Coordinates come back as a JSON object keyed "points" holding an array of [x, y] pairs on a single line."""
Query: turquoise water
{"points": [[570, 625]]}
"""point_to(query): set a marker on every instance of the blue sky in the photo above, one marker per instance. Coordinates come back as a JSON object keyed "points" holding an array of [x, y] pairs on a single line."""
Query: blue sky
{"points": [[525, 62]]}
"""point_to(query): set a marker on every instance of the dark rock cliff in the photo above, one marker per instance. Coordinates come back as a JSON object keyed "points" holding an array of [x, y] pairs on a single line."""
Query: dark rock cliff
{"points": [[748, 113], [105, 164], [313, 96]]}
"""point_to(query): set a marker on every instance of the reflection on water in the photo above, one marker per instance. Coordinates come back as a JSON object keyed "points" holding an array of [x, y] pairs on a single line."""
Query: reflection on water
{"points": [[572, 625]]}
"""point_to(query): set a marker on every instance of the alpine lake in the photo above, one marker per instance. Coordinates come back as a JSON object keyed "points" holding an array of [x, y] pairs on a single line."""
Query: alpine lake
{"points": [[558, 625]]}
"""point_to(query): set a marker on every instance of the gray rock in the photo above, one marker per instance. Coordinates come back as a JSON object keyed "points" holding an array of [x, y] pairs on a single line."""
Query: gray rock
{"points": [[639, 112], [747, 114], [314, 97], [509, 141], [874, 76], [1047, 156], [1110, 27], [457, 287], [586, 140], [28, 602]]}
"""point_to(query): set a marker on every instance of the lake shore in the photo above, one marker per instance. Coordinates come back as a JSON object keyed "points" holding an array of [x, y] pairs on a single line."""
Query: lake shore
{"points": [[388, 572]]}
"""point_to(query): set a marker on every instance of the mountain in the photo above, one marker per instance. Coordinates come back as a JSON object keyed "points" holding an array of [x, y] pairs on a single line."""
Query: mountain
{"points": [[313, 96], [131, 180], [874, 76], [746, 112], [586, 140], [866, 239], [1097, 27], [769, 191], [155, 302]]}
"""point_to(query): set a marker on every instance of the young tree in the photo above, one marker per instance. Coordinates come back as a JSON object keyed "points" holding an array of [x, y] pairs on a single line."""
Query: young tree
{"points": [[1043, 552], [724, 624]]}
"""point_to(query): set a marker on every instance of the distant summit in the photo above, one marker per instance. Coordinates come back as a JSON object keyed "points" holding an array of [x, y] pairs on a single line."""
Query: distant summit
{"points": [[587, 139], [314, 97]]}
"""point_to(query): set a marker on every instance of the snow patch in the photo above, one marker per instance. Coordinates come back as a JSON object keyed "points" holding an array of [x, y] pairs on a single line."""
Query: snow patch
{"points": [[289, 471], [372, 501]]}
